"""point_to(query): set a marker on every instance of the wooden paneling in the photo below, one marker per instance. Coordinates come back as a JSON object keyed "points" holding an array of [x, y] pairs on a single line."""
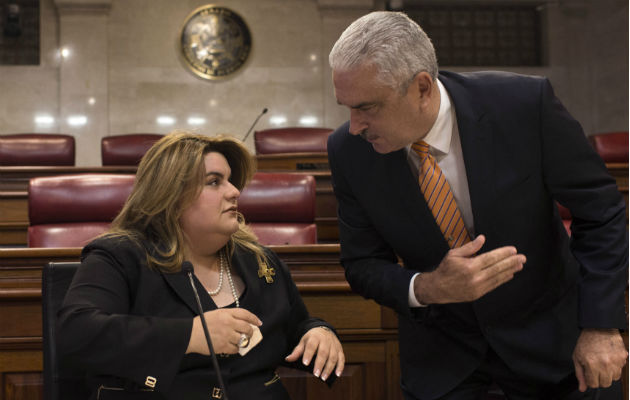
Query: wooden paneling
{"points": [[13, 217], [350, 386], [23, 386], [292, 161], [351, 310]]}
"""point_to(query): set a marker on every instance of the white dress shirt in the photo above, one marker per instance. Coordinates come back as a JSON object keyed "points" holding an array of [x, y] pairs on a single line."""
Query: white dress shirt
{"points": [[445, 146]]}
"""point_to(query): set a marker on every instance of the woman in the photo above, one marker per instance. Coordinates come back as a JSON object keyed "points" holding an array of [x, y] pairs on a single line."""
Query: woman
{"points": [[129, 317]]}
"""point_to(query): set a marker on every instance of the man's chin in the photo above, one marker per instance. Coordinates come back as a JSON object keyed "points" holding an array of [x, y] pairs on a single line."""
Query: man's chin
{"points": [[381, 148]]}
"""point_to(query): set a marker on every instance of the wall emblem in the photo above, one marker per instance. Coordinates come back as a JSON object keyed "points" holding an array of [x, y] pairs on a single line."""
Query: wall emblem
{"points": [[214, 42]]}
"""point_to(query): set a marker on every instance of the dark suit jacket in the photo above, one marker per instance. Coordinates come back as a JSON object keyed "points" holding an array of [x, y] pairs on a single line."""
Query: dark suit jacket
{"points": [[522, 152], [122, 322]]}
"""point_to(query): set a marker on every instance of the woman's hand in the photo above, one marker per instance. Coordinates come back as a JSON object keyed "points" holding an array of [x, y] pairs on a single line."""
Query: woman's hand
{"points": [[225, 326], [324, 342]]}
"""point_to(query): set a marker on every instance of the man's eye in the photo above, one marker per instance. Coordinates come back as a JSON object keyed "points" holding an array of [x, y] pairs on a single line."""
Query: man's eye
{"points": [[369, 108]]}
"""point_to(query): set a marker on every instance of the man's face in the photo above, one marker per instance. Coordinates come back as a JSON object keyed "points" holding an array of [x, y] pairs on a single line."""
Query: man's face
{"points": [[382, 115]]}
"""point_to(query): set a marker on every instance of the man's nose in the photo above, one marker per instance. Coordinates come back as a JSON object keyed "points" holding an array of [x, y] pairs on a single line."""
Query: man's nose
{"points": [[357, 124]]}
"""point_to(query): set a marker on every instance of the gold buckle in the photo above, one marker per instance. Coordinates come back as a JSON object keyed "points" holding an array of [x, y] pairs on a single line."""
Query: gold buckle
{"points": [[217, 393], [150, 381]]}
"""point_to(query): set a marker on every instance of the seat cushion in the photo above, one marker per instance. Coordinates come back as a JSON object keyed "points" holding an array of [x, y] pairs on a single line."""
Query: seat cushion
{"points": [[75, 234], [291, 140], [279, 197], [126, 149], [77, 198], [285, 233]]}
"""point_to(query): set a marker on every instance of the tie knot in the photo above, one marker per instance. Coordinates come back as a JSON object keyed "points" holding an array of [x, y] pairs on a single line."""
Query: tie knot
{"points": [[421, 148]]}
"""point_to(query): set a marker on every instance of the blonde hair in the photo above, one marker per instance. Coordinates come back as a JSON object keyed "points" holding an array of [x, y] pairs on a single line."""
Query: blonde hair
{"points": [[169, 178]]}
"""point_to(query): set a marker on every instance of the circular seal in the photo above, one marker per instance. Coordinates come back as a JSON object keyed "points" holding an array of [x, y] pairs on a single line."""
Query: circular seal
{"points": [[214, 41]]}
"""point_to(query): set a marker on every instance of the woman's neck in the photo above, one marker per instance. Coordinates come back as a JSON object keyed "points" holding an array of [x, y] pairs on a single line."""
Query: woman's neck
{"points": [[205, 262]]}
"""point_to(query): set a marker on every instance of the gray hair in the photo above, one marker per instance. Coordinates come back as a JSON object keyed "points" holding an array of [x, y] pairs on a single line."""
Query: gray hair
{"points": [[392, 42]]}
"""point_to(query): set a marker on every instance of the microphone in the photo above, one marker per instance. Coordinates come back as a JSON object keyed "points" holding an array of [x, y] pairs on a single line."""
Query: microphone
{"points": [[264, 111], [187, 268]]}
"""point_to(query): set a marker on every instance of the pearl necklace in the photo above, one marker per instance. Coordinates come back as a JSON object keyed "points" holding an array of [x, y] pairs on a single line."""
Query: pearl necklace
{"points": [[230, 281], [221, 269]]}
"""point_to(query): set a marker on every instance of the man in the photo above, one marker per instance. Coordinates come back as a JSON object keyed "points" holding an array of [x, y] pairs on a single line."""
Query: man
{"points": [[457, 176]]}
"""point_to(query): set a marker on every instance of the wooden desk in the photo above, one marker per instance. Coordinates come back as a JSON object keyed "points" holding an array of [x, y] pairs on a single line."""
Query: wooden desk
{"points": [[367, 330], [14, 199], [293, 161]]}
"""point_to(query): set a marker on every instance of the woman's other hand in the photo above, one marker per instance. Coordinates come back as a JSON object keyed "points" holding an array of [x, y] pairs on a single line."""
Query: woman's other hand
{"points": [[324, 342], [225, 326]]}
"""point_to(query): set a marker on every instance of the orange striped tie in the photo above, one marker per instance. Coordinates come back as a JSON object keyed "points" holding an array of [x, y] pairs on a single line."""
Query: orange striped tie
{"points": [[437, 192]]}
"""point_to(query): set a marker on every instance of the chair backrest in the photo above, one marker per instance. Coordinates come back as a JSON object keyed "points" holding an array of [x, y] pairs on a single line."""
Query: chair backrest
{"points": [[612, 146], [291, 140], [58, 378], [280, 208], [70, 210], [126, 149], [35, 149]]}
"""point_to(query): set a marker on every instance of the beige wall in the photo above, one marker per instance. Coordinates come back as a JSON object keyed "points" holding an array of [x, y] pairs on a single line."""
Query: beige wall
{"points": [[123, 70]]}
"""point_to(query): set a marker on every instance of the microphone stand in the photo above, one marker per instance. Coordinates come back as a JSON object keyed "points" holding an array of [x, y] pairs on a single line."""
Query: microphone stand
{"points": [[188, 269], [264, 111]]}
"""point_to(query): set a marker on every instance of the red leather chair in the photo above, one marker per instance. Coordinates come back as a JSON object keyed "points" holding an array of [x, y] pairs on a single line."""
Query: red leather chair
{"points": [[291, 140], [70, 210], [126, 149], [35, 149], [280, 208], [612, 146]]}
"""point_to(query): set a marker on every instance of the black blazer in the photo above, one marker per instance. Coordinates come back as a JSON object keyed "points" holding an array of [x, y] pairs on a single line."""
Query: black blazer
{"points": [[123, 323], [522, 152]]}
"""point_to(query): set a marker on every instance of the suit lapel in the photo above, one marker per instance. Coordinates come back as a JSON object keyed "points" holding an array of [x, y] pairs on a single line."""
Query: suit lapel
{"points": [[477, 146], [403, 184], [242, 263], [180, 283], [245, 264]]}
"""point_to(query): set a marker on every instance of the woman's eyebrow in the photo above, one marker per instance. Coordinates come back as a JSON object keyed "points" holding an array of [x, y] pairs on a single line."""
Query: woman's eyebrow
{"points": [[215, 173]]}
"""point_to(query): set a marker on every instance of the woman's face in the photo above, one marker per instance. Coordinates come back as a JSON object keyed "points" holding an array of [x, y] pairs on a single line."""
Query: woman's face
{"points": [[212, 217]]}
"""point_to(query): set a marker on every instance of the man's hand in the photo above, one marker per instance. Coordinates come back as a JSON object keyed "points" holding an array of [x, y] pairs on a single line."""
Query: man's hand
{"points": [[599, 357], [463, 276]]}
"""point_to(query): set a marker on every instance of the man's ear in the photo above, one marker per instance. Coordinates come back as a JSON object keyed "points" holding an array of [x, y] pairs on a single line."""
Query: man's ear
{"points": [[425, 86]]}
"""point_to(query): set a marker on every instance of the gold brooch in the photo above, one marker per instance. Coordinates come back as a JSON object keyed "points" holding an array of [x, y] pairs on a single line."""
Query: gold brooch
{"points": [[265, 271]]}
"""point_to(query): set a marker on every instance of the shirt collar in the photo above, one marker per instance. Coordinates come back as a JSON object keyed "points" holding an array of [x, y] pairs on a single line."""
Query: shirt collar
{"points": [[440, 134]]}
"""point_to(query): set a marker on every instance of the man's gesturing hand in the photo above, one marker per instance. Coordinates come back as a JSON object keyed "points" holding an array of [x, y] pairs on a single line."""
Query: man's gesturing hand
{"points": [[463, 276]]}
